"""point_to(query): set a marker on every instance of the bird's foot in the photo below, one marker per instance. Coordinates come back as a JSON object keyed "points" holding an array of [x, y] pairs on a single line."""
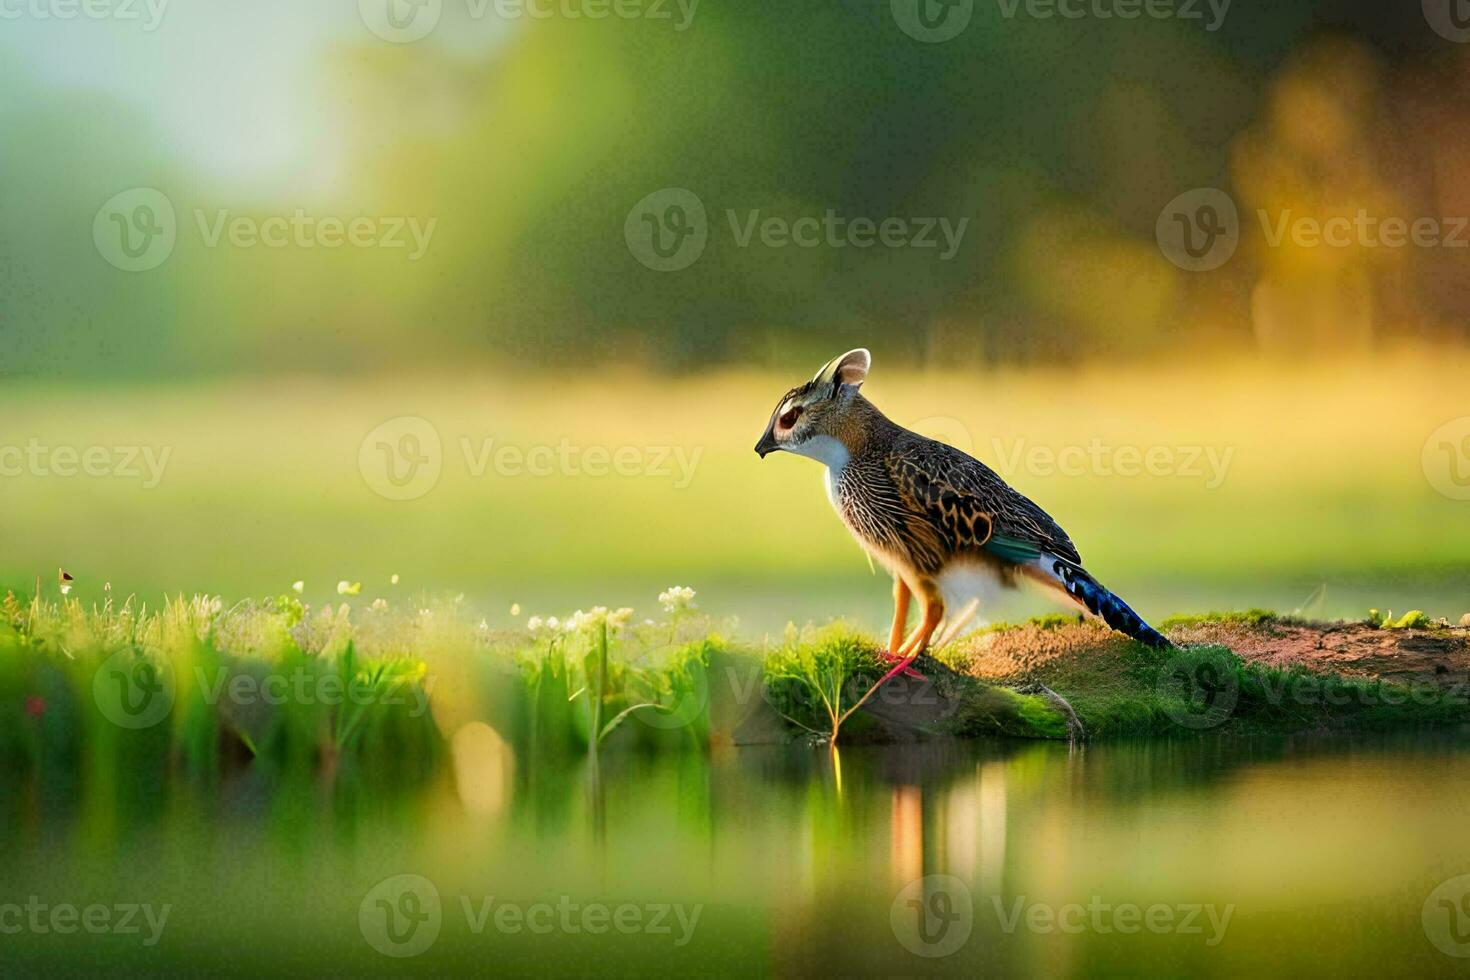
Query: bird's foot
{"points": [[894, 658]]}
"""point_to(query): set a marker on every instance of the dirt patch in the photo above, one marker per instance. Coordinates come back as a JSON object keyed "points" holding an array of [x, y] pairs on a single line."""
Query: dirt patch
{"points": [[1349, 649]]}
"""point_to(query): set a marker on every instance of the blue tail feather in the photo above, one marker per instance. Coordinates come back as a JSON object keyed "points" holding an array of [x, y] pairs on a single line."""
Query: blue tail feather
{"points": [[1111, 608]]}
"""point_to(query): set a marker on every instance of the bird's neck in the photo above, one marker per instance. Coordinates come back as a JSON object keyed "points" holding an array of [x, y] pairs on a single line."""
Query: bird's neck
{"points": [[861, 429]]}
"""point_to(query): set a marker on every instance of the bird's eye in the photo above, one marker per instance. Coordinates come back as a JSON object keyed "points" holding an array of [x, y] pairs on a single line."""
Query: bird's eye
{"points": [[792, 414]]}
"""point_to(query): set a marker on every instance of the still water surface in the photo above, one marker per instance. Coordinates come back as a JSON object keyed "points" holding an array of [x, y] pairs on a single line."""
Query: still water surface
{"points": [[1206, 857]]}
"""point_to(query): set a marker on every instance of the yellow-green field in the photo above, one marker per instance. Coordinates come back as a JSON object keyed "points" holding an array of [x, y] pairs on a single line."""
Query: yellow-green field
{"points": [[1270, 481]]}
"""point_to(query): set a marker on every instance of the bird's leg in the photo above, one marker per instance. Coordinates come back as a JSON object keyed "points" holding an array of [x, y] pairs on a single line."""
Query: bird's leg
{"points": [[915, 644], [933, 613], [901, 596]]}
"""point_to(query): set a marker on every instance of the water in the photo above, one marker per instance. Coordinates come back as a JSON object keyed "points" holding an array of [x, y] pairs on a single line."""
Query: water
{"points": [[1225, 857]]}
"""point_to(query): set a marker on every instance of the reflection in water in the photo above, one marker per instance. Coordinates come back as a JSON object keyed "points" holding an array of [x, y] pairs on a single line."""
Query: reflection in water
{"points": [[906, 836], [1342, 840], [483, 768]]}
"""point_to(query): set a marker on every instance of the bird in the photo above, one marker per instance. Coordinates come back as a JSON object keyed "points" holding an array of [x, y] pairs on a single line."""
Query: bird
{"points": [[949, 530]]}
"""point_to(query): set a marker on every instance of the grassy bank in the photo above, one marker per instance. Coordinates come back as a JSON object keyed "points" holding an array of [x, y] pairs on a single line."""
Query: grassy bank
{"points": [[389, 691]]}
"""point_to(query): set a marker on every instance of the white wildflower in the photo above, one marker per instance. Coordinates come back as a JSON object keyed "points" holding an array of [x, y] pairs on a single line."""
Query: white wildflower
{"points": [[677, 598], [617, 620], [394, 579], [298, 586], [515, 608], [380, 604], [534, 624]]}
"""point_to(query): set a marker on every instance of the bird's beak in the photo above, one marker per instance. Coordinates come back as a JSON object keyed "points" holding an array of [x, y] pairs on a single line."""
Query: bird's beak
{"points": [[767, 444]]}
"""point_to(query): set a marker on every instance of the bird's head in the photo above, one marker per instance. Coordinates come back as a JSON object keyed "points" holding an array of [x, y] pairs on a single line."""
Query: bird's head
{"points": [[810, 419]]}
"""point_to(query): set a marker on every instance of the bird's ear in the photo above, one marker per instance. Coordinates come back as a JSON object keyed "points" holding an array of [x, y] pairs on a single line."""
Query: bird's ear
{"points": [[849, 369]]}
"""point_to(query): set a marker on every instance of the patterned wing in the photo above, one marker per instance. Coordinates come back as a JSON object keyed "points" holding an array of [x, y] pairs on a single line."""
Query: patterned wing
{"points": [[970, 506]]}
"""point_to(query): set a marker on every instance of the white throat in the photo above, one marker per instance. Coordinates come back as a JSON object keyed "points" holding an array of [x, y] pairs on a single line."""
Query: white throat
{"points": [[831, 452], [828, 450]]}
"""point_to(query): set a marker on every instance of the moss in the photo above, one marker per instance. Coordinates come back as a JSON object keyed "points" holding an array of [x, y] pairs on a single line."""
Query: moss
{"points": [[1248, 617], [1141, 691]]}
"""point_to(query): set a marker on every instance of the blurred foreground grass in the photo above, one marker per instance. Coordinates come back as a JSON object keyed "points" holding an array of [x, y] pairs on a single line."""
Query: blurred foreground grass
{"points": [[1317, 479]]}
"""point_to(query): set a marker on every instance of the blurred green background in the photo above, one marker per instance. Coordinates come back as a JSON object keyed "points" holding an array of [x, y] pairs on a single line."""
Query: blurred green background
{"points": [[521, 148]]}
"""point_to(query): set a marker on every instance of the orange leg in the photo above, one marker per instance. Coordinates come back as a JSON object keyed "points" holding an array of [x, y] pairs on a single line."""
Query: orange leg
{"points": [[901, 596], [908, 653], [919, 639]]}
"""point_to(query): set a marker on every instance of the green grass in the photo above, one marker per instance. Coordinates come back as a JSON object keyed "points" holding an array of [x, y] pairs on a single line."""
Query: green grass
{"points": [[196, 688]]}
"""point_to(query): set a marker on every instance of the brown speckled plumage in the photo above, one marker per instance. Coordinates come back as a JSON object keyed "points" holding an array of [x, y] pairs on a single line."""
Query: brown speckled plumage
{"points": [[926, 509], [930, 503]]}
